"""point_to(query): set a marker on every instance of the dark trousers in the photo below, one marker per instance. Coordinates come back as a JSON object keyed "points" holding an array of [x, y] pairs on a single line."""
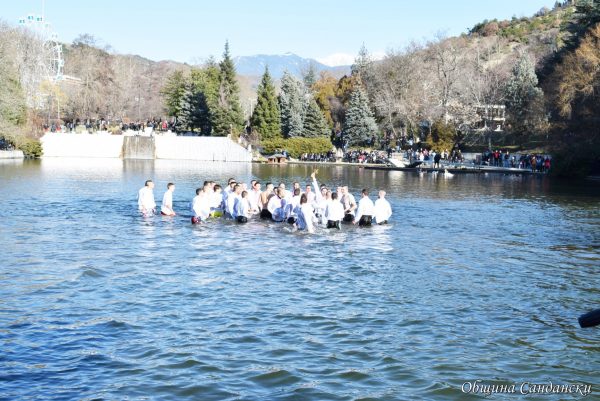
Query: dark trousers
{"points": [[333, 224], [242, 219], [348, 218], [265, 214], [291, 220], [365, 221]]}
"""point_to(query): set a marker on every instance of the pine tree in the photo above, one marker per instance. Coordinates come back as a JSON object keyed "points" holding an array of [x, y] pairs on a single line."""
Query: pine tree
{"points": [[360, 124], [363, 67], [173, 92], [291, 105], [315, 124], [266, 119], [206, 81], [310, 77], [185, 110], [228, 116], [193, 110]]}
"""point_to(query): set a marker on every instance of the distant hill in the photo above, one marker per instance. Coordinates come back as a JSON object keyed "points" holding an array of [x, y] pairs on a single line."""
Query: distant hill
{"points": [[294, 64]]}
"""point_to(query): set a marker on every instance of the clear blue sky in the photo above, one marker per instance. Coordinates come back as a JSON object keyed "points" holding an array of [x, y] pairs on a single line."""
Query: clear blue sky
{"points": [[188, 31]]}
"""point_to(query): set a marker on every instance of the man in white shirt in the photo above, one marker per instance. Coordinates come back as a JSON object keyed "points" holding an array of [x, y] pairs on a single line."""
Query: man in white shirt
{"points": [[166, 207], [200, 206], [383, 209], [321, 201], [228, 190], [291, 208], [230, 203], [254, 197], [146, 203], [241, 208], [276, 206], [306, 218], [284, 193], [365, 210], [334, 213], [310, 195]]}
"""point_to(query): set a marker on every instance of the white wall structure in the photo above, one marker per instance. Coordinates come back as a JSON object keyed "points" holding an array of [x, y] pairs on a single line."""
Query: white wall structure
{"points": [[82, 145], [201, 148], [166, 147], [11, 154]]}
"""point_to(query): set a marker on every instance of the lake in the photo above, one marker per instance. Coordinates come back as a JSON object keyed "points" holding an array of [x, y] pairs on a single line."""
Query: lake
{"points": [[478, 277]]}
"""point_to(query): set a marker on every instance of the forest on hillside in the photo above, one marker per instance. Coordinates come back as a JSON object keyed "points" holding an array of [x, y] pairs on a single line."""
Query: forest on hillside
{"points": [[524, 83]]}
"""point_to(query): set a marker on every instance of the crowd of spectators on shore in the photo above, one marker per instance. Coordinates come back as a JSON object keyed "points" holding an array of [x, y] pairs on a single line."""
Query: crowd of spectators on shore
{"points": [[535, 162], [118, 126]]}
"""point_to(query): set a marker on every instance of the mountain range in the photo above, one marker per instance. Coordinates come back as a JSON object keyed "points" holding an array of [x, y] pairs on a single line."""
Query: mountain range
{"points": [[278, 64]]}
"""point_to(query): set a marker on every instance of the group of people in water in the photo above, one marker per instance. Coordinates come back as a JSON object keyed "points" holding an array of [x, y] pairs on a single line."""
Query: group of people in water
{"points": [[305, 209]]}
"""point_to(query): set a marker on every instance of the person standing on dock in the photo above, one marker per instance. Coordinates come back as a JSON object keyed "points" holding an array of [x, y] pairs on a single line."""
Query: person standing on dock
{"points": [[383, 209], [146, 203], [365, 210], [436, 160], [166, 207]]}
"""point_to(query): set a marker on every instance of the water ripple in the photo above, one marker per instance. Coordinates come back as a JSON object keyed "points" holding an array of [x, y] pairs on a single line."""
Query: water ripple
{"points": [[476, 277]]}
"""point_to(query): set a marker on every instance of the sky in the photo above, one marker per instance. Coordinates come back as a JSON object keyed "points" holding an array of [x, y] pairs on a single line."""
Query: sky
{"points": [[331, 31]]}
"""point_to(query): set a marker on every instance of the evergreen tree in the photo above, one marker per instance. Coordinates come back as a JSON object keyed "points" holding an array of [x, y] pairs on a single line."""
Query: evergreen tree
{"points": [[315, 124], [228, 116], [185, 110], [524, 99], [360, 124], [310, 77], [266, 119], [206, 82], [363, 67], [173, 92], [291, 105]]}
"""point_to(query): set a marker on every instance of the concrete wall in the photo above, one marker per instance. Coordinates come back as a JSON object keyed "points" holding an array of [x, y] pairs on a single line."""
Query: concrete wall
{"points": [[200, 148], [82, 145], [166, 147], [11, 154], [139, 147]]}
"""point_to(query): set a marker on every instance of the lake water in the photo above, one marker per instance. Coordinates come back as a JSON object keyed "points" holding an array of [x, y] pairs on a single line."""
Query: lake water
{"points": [[477, 277]]}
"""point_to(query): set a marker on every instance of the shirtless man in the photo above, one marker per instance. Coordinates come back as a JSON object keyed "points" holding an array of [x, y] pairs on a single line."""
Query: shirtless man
{"points": [[166, 207], [265, 197]]}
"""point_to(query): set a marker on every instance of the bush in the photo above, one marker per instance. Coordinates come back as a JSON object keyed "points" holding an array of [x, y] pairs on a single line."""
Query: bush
{"points": [[31, 148], [443, 136], [297, 146]]}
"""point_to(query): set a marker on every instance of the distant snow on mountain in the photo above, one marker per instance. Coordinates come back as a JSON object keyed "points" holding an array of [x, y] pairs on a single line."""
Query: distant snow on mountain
{"points": [[294, 64], [337, 59]]}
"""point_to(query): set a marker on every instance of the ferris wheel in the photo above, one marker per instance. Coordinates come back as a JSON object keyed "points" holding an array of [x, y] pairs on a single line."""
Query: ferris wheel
{"points": [[50, 57]]}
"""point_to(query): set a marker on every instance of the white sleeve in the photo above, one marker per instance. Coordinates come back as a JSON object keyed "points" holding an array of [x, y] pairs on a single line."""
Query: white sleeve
{"points": [[308, 220], [318, 195], [359, 212]]}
